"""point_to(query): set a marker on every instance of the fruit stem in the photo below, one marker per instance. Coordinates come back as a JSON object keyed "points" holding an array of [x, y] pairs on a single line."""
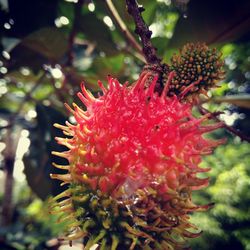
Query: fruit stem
{"points": [[143, 31]]}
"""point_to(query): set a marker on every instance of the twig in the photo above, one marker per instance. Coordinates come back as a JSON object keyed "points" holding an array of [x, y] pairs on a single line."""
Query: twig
{"points": [[9, 160], [8, 167], [28, 95], [143, 31], [123, 27], [229, 128], [73, 33]]}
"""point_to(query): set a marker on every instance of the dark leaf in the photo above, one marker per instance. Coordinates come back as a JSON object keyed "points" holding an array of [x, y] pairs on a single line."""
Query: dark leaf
{"points": [[22, 56], [96, 31], [38, 163], [213, 21], [49, 42], [45, 45]]}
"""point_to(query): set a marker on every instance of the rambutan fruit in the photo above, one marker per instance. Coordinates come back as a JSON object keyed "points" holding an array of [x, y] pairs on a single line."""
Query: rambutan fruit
{"points": [[198, 67], [133, 159]]}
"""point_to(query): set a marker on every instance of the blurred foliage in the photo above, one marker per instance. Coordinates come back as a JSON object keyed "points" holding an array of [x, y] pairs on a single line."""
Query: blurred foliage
{"points": [[31, 227], [49, 47], [226, 226]]}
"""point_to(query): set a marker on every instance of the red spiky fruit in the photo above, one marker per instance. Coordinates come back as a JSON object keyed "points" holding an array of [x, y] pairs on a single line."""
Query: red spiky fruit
{"points": [[133, 163]]}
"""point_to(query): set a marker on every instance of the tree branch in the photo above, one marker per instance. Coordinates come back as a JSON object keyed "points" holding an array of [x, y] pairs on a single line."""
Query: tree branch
{"points": [[123, 27], [8, 167], [143, 31], [229, 128]]}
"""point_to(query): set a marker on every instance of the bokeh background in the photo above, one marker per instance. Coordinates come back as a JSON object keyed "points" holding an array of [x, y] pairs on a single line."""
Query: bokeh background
{"points": [[48, 47]]}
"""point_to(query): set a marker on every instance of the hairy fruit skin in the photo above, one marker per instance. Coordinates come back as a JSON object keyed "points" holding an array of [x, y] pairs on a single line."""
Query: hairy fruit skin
{"points": [[133, 163]]}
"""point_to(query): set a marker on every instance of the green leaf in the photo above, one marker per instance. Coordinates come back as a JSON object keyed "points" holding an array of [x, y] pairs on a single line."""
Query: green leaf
{"points": [[160, 43], [109, 65], [103, 67], [150, 10], [96, 31], [75, 78], [67, 9]]}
